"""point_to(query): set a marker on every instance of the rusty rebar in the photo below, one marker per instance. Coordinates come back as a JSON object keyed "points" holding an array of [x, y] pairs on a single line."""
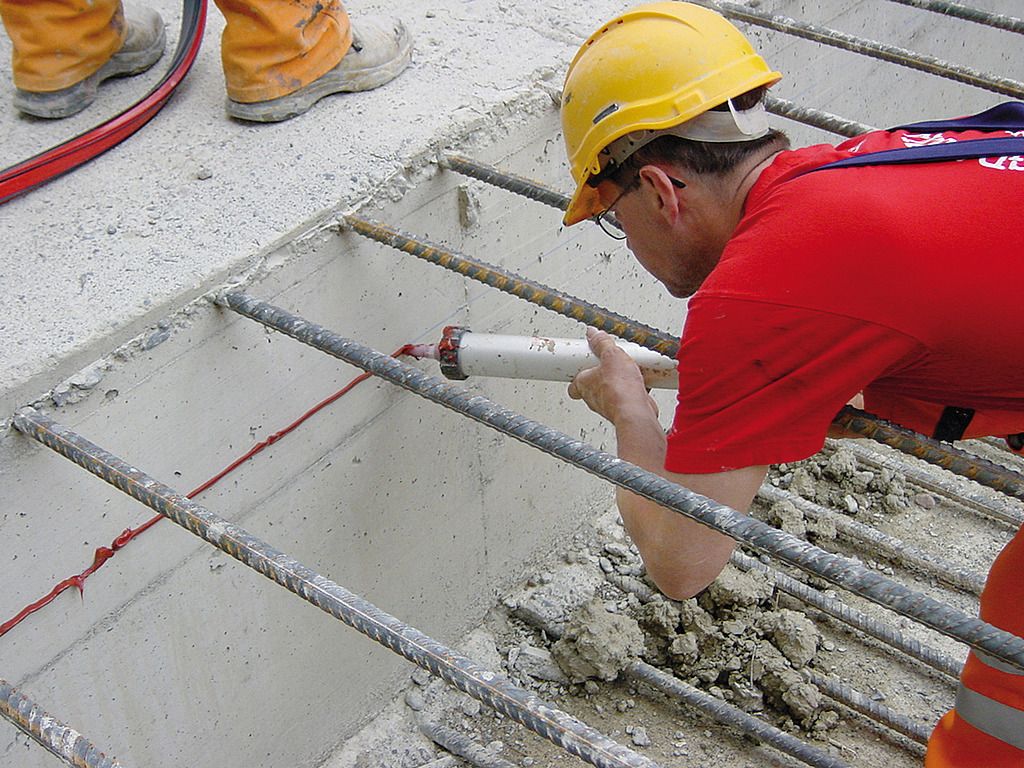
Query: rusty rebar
{"points": [[521, 287], [999, 508], [967, 13], [841, 571], [59, 739], [492, 689], [872, 48], [948, 457], [852, 419]]}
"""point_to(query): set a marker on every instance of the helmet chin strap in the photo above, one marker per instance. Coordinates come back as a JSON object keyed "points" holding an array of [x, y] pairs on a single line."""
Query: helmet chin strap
{"points": [[718, 127]]}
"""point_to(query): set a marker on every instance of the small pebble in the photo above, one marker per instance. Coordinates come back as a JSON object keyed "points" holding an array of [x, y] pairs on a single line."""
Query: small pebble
{"points": [[204, 173], [471, 708], [415, 701], [591, 687], [925, 500], [420, 676], [640, 737]]}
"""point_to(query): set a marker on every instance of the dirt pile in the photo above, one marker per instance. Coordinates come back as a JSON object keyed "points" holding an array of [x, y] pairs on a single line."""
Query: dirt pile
{"points": [[730, 641], [836, 480]]}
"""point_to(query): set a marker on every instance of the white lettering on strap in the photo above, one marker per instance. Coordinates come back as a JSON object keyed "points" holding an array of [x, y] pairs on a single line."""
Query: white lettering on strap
{"points": [[1004, 163], [992, 717]]}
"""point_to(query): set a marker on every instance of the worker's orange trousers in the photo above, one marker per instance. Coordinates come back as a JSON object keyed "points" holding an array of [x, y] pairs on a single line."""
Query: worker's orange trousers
{"points": [[269, 48], [986, 730]]}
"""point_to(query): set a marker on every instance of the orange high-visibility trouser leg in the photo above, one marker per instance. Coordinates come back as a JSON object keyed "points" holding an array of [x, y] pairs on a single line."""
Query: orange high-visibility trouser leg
{"points": [[271, 48], [57, 43], [992, 692]]}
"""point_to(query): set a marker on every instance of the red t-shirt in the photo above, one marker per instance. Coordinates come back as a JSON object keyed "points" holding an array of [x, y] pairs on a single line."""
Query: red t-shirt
{"points": [[905, 282]]}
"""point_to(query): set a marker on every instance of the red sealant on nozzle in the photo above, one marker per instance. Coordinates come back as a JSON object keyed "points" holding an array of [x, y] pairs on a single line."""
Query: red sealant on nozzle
{"points": [[423, 351]]}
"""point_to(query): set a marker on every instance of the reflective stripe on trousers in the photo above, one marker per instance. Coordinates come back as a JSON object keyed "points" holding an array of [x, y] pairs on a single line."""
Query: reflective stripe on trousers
{"points": [[998, 720], [986, 730]]}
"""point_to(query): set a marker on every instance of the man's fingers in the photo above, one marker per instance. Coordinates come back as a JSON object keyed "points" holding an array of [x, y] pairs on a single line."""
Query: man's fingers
{"points": [[574, 391], [600, 342]]}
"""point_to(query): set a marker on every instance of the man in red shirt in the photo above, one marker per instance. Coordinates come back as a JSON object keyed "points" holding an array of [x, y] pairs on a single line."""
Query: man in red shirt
{"points": [[809, 286]]}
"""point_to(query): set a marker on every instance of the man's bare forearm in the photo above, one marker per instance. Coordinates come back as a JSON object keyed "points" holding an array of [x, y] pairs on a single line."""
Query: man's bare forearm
{"points": [[681, 555]]}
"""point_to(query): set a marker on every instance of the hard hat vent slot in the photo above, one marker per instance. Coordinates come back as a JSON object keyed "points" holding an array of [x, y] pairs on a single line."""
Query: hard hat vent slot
{"points": [[611, 108]]}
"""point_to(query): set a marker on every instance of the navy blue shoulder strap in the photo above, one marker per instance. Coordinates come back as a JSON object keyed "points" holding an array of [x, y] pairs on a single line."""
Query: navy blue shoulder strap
{"points": [[1004, 117], [1008, 116]]}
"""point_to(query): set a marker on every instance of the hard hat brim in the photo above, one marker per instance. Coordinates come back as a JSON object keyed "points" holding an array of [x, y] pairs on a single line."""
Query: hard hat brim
{"points": [[585, 204]]}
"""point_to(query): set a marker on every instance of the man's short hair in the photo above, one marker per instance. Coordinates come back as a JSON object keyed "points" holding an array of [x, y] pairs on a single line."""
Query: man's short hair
{"points": [[702, 157]]}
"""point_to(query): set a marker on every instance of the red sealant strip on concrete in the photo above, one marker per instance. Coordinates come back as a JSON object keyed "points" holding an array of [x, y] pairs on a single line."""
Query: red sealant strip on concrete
{"points": [[105, 553]]}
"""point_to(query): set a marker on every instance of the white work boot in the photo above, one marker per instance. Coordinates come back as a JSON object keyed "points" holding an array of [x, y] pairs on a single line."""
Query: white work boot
{"points": [[381, 49], [142, 48]]}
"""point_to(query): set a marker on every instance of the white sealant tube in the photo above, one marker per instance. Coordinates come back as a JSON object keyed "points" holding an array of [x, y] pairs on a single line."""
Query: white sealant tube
{"points": [[547, 359]]}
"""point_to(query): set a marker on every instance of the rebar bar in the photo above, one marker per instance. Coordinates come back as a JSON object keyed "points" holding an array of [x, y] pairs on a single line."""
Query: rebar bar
{"points": [[858, 702], [872, 48], [815, 117], [977, 15], [879, 543], [946, 456], [850, 616], [998, 508], [729, 715], [493, 689], [524, 288], [720, 711], [60, 740], [458, 744], [852, 419], [755, 534], [510, 182]]}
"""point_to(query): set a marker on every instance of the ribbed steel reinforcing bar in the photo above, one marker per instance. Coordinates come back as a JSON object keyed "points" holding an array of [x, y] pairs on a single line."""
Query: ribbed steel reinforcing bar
{"points": [[978, 469], [532, 291], [64, 742], [877, 50], [967, 13], [946, 456], [815, 117], [760, 536], [493, 689], [508, 181]]}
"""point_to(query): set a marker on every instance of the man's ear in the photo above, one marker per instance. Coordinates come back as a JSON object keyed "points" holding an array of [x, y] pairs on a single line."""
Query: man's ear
{"points": [[663, 193]]}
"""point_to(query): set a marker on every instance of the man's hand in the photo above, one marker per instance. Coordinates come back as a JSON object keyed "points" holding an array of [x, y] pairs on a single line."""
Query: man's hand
{"points": [[615, 387]]}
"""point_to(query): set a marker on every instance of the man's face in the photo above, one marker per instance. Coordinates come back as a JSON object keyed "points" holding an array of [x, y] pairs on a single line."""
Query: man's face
{"points": [[674, 252]]}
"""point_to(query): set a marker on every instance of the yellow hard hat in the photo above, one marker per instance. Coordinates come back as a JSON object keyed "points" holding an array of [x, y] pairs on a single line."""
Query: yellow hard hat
{"points": [[655, 67]]}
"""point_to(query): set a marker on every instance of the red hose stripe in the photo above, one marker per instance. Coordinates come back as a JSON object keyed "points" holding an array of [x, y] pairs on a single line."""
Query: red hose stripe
{"points": [[65, 157]]}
